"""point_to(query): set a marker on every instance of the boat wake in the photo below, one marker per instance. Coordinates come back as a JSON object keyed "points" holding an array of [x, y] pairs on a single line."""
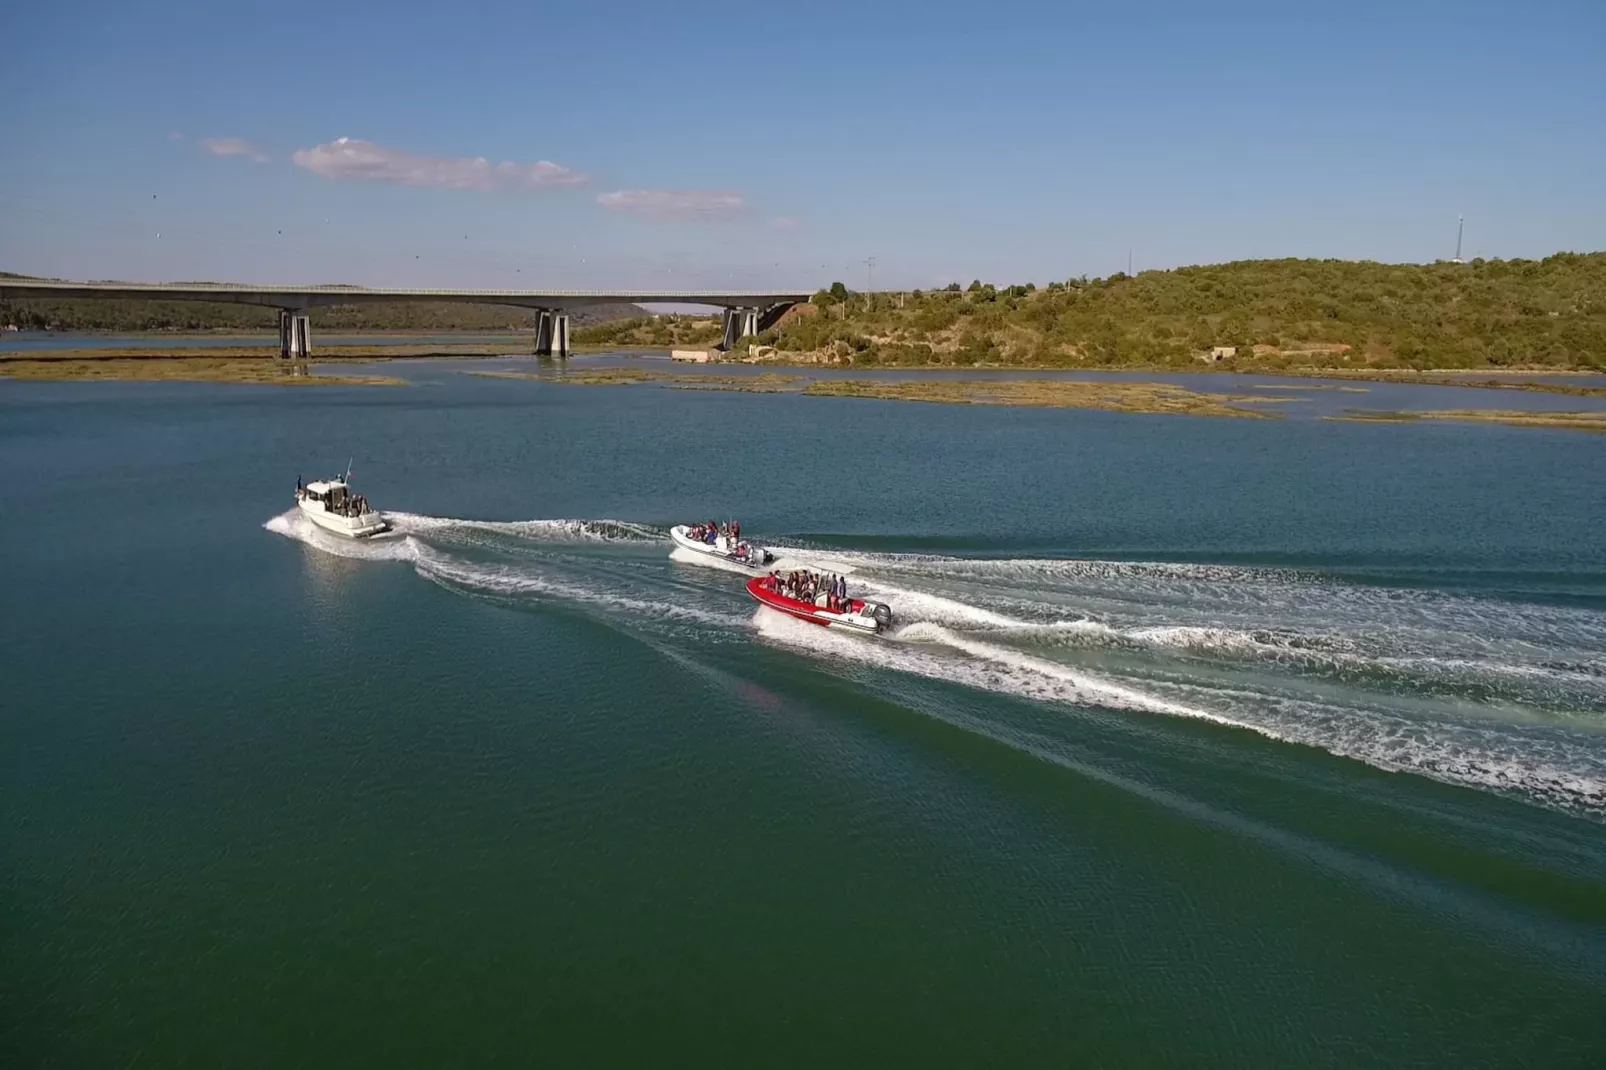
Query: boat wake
{"points": [[443, 551], [550, 530], [1470, 690]]}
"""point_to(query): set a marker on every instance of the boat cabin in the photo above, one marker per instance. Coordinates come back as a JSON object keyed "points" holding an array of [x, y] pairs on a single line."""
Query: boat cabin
{"points": [[332, 493]]}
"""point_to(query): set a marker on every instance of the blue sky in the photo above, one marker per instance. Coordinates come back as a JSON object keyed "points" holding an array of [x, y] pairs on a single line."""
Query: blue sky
{"points": [[703, 144]]}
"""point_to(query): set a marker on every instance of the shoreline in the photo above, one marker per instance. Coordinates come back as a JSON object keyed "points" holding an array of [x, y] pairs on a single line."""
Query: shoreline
{"points": [[516, 348], [1060, 387]]}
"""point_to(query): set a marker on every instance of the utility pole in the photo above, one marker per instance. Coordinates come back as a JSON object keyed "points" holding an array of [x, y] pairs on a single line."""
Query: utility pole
{"points": [[869, 279]]}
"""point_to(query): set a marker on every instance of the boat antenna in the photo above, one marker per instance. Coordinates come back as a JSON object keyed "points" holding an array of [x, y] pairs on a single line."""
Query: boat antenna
{"points": [[348, 469]]}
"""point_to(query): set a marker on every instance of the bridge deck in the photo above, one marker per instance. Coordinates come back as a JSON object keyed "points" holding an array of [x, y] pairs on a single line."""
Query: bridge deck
{"points": [[324, 296]]}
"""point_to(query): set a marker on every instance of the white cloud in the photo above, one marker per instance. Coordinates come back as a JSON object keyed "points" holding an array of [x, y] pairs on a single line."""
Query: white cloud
{"points": [[350, 158], [662, 204], [783, 222], [233, 146]]}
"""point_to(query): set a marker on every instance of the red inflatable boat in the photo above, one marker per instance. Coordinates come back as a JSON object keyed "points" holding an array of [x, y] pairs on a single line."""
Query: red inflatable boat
{"points": [[855, 615]]}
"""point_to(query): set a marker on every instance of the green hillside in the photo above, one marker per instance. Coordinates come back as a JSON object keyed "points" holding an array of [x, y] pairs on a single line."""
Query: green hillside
{"points": [[652, 332], [1494, 313]]}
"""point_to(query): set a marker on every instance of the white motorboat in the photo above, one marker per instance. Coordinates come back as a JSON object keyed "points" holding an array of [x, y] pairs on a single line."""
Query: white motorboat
{"points": [[733, 551], [331, 505]]}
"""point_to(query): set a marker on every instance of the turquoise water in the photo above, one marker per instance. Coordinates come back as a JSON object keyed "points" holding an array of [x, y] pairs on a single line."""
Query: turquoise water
{"points": [[1196, 742]]}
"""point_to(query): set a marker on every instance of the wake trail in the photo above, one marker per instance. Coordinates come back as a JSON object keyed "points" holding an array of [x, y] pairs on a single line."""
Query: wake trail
{"points": [[1550, 768], [1461, 689], [497, 579], [540, 530]]}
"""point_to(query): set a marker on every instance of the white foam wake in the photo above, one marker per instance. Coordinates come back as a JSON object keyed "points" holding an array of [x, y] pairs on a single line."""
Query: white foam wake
{"points": [[391, 546], [545, 530], [720, 564], [1464, 690], [1551, 769], [506, 579], [988, 667]]}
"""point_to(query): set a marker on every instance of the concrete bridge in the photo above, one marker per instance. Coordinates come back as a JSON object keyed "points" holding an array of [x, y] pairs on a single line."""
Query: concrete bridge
{"points": [[746, 313]]}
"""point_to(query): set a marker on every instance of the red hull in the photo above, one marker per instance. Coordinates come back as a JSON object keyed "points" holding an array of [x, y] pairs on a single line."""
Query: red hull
{"points": [[792, 607]]}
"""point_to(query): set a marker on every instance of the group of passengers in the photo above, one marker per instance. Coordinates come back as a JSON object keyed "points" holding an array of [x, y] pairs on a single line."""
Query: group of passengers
{"points": [[713, 531], [822, 589]]}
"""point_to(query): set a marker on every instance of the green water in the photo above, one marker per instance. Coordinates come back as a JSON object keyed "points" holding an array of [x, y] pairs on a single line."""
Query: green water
{"points": [[1195, 743]]}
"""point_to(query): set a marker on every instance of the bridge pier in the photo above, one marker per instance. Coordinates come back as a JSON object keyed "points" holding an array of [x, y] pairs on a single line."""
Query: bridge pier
{"points": [[295, 334], [552, 333], [738, 323]]}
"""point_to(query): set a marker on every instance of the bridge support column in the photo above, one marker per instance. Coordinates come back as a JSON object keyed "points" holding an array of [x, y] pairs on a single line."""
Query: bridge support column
{"points": [[552, 333], [738, 323], [295, 334]]}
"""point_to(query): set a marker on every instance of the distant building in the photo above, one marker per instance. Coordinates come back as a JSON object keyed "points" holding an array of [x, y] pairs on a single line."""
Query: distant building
{"points": [[1222, 352], [691, 356]]}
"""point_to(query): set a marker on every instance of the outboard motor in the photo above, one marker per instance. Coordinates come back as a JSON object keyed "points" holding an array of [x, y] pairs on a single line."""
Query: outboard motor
{"points": [[883, 617]]}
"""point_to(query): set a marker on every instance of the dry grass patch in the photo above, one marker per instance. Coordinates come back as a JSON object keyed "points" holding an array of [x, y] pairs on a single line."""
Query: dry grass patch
{"points": [[1567, 421], [1062, 394], [270, 372], [768, 382]]}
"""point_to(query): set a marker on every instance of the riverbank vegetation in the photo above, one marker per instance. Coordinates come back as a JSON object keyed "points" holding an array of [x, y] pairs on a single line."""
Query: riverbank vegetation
{"points": [[1259, 315], [188, 370], [1114, 396], [1122, 396], [1289, 316], [137, 316], [766, 383], [1567, 421], [345, 354], [650, 332]]}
